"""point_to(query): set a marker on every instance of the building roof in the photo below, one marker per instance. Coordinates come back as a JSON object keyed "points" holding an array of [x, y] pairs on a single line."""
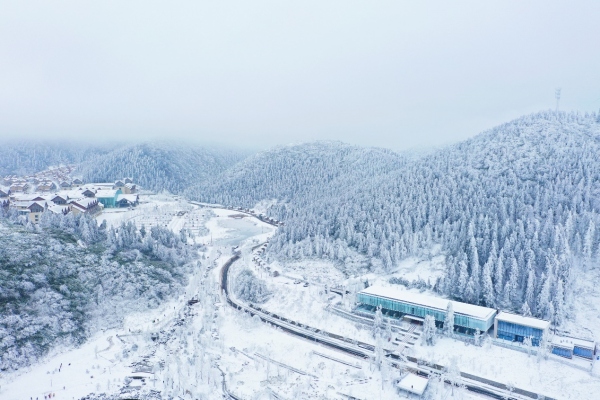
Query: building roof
{"points": [[86, 202], [77, 207], [569, 342], [439, 303], [99, 185], [414, 384], [102, 194], [132, 198], [521, 320], [27, 204], [59, 209], [70, 194]]}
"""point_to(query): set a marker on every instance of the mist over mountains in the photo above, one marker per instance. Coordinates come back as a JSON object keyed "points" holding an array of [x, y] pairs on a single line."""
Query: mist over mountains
{"points": [[155, 165]]}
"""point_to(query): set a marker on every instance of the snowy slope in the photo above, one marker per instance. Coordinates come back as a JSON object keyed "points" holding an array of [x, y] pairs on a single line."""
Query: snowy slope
{"points": [[160, 166], [513, 208]]}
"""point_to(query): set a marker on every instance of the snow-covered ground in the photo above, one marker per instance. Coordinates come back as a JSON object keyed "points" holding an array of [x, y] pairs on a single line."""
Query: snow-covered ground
{"points": [[182, 350], [584, 320], [550, 377]]}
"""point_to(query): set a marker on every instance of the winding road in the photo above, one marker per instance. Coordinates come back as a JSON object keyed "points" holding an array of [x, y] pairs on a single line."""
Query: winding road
{"points": [[363, 350]]}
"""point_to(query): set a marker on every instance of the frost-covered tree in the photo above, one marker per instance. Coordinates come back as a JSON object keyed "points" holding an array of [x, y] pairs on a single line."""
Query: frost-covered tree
{"points": [[248, 287], [55, 291], [449, 320], [378, 323], [429, 331]]}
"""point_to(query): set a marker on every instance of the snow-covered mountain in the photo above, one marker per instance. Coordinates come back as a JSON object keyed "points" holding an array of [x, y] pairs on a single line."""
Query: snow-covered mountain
{"points": [[298, 174], [160, 166], [28, 156], [154, 165], [513, 208]]}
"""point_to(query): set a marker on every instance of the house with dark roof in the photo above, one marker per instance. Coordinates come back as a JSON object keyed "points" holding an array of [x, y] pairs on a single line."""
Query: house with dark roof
{"points": [[85, 206], [59, 199], [88, 193], [127, 200], [46, 186]]}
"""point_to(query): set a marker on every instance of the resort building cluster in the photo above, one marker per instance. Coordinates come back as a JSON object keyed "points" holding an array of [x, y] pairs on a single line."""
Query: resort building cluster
{"points": [[54, 191]]}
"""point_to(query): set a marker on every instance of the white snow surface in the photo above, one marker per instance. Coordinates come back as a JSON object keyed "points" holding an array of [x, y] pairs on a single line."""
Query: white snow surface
{"points": [[414, 384], [521, 320], [397, 293], [211, 334]]}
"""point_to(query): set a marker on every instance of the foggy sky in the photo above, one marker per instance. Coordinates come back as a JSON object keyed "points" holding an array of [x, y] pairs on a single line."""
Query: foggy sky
{"points": [[395, 74]]}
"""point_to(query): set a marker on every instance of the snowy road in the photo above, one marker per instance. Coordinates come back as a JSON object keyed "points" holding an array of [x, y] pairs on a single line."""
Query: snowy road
{"points": [[362, 350]]}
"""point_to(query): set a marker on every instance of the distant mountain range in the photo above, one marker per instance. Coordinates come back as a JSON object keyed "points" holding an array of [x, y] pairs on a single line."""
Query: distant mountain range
{"points": [[155, 166]]}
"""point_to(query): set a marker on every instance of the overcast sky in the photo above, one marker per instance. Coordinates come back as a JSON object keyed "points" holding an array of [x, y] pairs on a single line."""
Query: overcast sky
{"points": [[395, 74]]}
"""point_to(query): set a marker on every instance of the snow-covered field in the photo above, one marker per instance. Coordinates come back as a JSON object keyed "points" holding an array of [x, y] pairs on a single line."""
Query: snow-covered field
{"points": [[551, 377], [186, 350]]}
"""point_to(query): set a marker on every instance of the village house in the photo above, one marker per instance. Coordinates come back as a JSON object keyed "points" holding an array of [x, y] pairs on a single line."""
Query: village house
{"points": [[4, 192], [129, 188], [77, 182], [88, 193], [19, 186], [46, 186], [120, 185], [59, 199], [32, 209], [127, 200], [85, 206]]}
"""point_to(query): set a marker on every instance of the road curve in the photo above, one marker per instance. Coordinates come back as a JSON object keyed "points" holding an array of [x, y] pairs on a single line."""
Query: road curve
{"points": [[360, 349]]}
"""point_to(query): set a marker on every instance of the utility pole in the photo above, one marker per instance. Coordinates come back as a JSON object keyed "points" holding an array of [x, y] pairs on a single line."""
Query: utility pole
{"points": [[557, 95]]}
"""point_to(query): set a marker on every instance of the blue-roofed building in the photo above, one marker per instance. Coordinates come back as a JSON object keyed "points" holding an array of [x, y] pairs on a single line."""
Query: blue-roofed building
{"points": [[400, 303]]}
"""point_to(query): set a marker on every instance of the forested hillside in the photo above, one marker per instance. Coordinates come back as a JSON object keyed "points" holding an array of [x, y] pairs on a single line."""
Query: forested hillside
{"points": [[513, 208], [298, 174], [160, 166], [66, 278], [154, 165], [27, 157]]}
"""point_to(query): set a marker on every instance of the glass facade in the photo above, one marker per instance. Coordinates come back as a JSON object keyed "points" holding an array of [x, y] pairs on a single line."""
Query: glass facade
{"points": [[460, 320], [518, 333], [583, 352], [559, 351]]}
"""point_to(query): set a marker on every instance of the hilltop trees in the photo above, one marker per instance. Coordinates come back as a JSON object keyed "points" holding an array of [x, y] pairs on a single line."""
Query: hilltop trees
{"points": [[250, 288], [501, 205], [70, 276]]}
